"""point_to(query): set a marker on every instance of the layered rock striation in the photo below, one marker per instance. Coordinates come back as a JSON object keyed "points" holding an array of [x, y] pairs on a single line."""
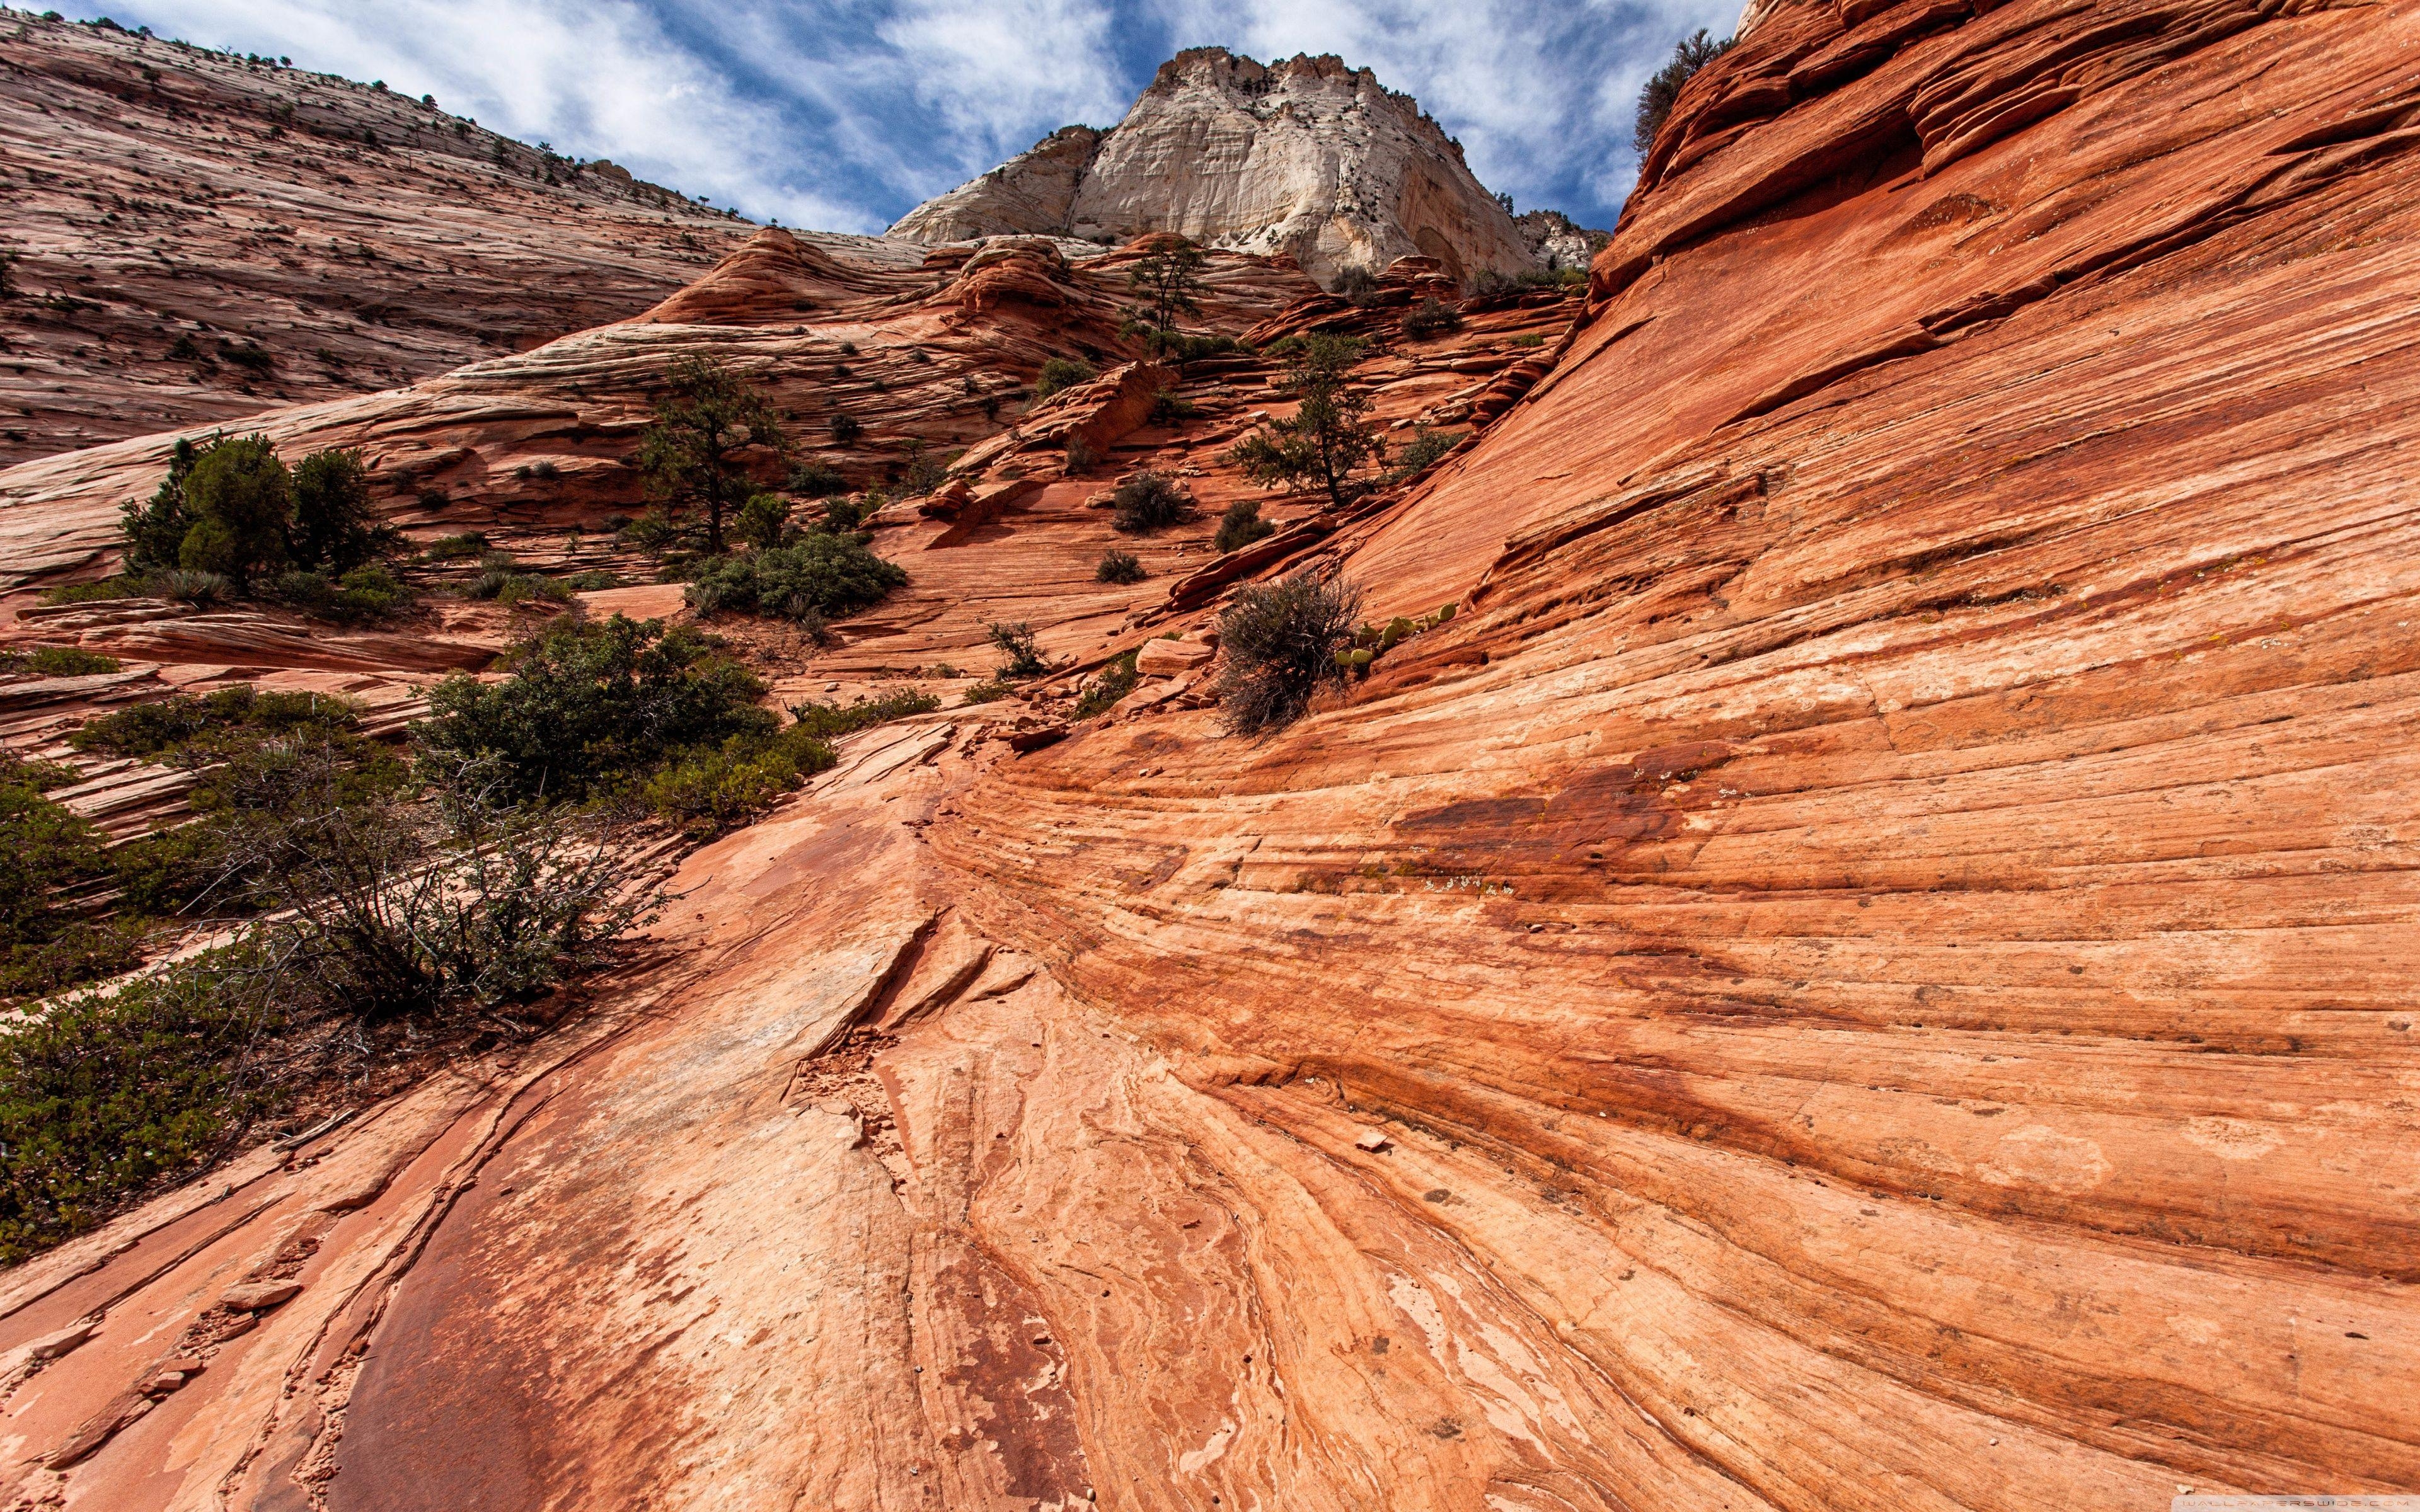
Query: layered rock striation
{"points": [[1866, 965], [1305, 158], [197, 235]]}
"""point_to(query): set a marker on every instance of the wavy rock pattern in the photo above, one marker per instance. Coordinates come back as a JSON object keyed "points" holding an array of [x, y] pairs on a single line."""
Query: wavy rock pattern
{"points": [[1867, 966]]}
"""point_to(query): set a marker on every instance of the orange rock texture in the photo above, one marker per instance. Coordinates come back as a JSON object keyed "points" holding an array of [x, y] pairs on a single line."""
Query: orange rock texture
{"points": [[1867, 966], [200, 237]]}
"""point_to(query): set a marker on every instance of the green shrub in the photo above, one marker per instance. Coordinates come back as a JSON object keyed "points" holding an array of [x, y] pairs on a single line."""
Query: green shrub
{"points": [[591, 580], [823, 575], [1427, 447], [761, 519], [842, 515], [1119, 567], [651, 531], [1082, 456], [1015, 642], [1169, 407], [816, 480], [206, 728], [1357, 285], [368, 592], [829, 721], [1061, 373], [590, 708], [712, 790], [1149, 502], [845, 429], [454, 547], [54, 661], [231, 508], [124, 585], [989, 689], [1278, 643], [45, 849], [1430, 319], [1241, 526], [105, 1093], [1114, 682]]}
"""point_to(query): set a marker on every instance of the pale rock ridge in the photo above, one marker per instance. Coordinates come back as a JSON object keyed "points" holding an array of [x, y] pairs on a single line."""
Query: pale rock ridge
{"points": [[1305, 158]]}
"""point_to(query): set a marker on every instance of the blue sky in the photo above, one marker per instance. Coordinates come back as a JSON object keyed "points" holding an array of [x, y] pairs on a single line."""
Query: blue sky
{"points": [[840, 115]]}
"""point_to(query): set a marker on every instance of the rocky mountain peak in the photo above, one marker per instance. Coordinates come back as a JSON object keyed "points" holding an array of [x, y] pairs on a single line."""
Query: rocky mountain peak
{"points": [[1306, 157]]}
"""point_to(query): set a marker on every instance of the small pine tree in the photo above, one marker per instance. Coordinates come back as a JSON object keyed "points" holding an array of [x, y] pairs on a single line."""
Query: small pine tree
{"points": [[691, 453], [1656, 95], [1329, 436], [1169, 282]]}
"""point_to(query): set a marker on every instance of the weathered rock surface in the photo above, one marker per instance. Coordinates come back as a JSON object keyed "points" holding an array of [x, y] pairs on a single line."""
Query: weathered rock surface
{"points": [[1867, 966], [1305, 158], [202, 238]]}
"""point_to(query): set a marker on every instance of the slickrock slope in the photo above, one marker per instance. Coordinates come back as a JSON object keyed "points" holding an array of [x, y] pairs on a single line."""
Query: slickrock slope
{"points": [[1305, 157], [1868, 966], [202, 238]]}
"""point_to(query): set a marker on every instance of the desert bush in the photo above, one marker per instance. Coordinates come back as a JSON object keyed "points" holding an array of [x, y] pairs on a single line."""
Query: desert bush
{"points": [[1169, 407], [1113, 682], [1357, 285], [103, 1093], [122, 585], [590, 708], [452, 548], [368, 592], [590, 579], [334, 528], [1427, 447], [1278, 643], [990, 690], [651, 531], [1082, 456], [1241, 526], [46, 851], [1061, 373], [712, 790], [825, 573], [53, 661], [842, 515], [816, 480], [1119, 567], [206, 729], [1149, 502], [922, 473], [845, 429], [1016, 642], [1656, 96], [762, 519], [1430, 319], [829, 721]]}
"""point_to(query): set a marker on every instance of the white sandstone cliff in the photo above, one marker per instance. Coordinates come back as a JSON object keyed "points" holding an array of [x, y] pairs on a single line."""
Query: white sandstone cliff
{"points": [[1305, 157]]}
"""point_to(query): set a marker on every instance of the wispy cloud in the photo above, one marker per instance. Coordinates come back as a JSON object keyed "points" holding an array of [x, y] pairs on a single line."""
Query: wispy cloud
{"points": [[842, 114]]}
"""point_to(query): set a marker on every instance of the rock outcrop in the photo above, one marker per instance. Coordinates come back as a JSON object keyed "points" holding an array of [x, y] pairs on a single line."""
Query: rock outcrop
{"points": [[1306, 158], [199, 235], [1866, 965]]}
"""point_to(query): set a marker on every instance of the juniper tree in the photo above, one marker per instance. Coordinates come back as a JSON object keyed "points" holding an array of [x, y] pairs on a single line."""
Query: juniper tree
{"points": [[691, 453]]}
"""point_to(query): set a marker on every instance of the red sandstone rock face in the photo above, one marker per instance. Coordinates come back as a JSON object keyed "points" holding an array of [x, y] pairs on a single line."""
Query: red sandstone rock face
{"points": [[1865, 967], [160, 195]]}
